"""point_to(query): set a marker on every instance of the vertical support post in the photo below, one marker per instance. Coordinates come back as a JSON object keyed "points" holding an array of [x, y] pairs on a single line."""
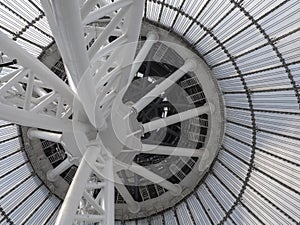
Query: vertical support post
{"points": [[41, 71], [109, 193], [174, 188], [189, 65], [29, 91], [53, 174], [152, 37], [69, 207], [65, 23]]}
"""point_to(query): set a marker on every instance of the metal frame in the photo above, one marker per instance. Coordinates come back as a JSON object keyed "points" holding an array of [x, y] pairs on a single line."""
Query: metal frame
{"points": [[82, 71], [252, 124]]}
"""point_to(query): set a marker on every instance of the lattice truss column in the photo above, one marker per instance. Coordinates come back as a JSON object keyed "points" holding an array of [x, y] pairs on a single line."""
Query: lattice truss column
{"points": [[90, 197], [32, 95], [101, 50]]}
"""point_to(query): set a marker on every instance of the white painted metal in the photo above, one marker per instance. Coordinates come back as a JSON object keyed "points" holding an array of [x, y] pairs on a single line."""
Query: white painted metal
{"points": [[29, 91], [95, 30], [152, 38], [142, 171], [77, 190], [87, 7], [46, 135], [53, 174], [12, 81], [103, 37], [167, 150], [179, 117], [99, 74], [89, 219], [22, 106], [25, 59], [29, 119], [65, 19], [189, 65], [109, 192], [106, 10], [134, 206], [124, 47], [95, 185]]}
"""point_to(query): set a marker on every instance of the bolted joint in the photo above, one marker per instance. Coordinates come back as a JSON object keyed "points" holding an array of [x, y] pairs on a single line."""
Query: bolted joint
{"points": [[134, 207], [152, 36], [190, 65], [177, 191]]}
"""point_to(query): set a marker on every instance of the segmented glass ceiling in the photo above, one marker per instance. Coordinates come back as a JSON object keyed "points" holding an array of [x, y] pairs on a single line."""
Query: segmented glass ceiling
{"points": [[24, 199], [25, 22], [253, 50]]}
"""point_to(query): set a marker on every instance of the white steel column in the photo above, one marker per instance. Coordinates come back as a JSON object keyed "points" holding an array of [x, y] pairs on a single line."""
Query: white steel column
{"points": [[68, 209], [152, 38], [89, 219], [168, 150], [87, 7], [46, 135], [27, 60], [106, 10], [142, 171], [109, 192], [65, 23], [30, 119], [164, 122], [189, 65], [134, 206], [53, 174]]}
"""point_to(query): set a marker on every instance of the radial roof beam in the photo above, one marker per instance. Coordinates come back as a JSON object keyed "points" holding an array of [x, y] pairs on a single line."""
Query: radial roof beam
{"points": [[53, 174], [189, 65], [149, 175], [170, 150], [45, 135], [176, 118], [134, 206]]}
